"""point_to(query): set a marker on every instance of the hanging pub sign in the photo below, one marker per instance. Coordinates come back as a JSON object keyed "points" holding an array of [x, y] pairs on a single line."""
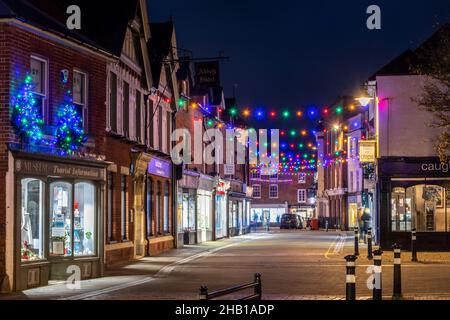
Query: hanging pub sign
{"points": [[207, 74], [367, 151]]}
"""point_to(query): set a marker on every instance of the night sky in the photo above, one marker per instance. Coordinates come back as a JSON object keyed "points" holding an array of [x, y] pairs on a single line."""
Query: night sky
{"points": [[292, 54]]}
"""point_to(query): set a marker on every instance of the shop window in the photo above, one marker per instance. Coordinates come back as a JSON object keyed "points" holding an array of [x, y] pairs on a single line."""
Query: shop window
{"points": [[149, 206], [123, 207], [84, 220], [257, 191], [158, 207], [166, 208], [110, 205], [60, 219], [273, 191], [80, 95], [421, 207], [32, 220]]}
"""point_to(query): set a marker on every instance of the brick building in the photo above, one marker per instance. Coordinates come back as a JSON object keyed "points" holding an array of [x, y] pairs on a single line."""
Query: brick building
{"points": [[57, 217]]}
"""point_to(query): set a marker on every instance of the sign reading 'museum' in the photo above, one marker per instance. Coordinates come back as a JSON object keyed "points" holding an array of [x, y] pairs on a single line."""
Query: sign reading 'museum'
{"points": [[57, 169]]}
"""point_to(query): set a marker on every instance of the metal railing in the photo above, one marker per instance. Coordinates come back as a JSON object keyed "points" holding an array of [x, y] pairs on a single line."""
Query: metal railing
{"points": [[256, 285]]}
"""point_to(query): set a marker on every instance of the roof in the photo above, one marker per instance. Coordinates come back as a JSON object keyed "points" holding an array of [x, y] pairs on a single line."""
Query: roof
{"points": [[407, 62], [101, 28], [159, 46]]}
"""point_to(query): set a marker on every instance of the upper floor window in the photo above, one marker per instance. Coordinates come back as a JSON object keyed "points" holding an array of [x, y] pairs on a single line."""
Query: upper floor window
{"points": [[301, 196], [273, 191], [256, 191], [274, 176], [39, 73], [256, 174], [113, 102], [126, 109], [80, 95], [139, 116]]}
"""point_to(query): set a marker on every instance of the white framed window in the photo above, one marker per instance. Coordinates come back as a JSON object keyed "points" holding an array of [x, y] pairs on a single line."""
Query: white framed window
{"points": [[256, 174], [39, 73], [126, 114], [302, 178], [139, 116], [257, 191], [301, 195], [273, 191], [113, 106], [80, 95], [274, 176]]}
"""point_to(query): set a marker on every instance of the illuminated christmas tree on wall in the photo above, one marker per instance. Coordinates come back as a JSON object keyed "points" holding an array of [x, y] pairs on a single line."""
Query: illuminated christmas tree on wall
{"points": [[70, 134], [26, 117]]}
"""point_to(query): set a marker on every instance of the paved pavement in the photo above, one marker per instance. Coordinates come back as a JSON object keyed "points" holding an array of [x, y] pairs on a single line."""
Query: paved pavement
{"points": [[295, 265]]}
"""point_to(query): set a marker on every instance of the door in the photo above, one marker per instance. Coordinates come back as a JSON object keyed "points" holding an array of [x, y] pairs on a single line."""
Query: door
{"points": [[61, 223]]}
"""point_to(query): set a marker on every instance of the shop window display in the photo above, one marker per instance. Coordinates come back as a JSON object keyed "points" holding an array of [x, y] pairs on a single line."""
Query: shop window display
{"points": [[32, 220], [84, 220], [60, 219]]}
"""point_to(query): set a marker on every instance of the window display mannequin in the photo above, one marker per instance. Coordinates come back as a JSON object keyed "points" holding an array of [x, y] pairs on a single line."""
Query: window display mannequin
{"points": [[27, 235]]}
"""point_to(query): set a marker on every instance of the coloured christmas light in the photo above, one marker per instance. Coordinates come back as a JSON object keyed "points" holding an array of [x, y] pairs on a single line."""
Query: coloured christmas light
{"points": [[69, 133], [26, 116]]}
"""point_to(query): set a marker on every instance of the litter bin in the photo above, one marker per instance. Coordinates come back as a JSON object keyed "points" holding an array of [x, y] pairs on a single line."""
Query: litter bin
{"points": [[314, 224]]}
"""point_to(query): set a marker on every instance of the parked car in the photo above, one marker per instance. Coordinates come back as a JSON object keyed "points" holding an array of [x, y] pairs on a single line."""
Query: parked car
{"points": [[290, 221]]}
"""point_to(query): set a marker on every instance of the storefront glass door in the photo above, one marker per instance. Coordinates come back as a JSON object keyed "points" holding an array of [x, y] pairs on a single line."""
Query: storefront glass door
{"points": [[60, 219]]}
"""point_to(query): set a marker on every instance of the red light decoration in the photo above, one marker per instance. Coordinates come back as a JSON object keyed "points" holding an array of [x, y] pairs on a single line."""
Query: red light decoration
{"points": [[273, 114], [168, 100], [299, 114]]}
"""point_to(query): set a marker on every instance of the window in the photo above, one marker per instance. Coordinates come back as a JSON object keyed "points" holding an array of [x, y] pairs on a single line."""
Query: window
{"points": [[138, 116], [302, 178], [39, 74], [273, 191], [168, 131], [160, 127], [256, 174], [84, 220], [166, 208], [151, 119], [60, 219], [110, 205], [273, 176], [123, 209], [113, 102], [257, 191], [158, 209], [126, 109], [301, 196], [32, 221], [80, 96], [421, 207], [149, 206]]}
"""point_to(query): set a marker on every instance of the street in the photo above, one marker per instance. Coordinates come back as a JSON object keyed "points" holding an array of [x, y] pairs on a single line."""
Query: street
{"points": [[295, 265]]}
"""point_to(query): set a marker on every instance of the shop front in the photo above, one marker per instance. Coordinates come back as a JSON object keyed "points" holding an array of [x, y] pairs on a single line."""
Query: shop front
{"points": [[187, 208], [354, 207], [306, 212], [261, 213], [205, 208], [221, 230], [58, 219], [414, 194], [236, 199], [158, 206]]}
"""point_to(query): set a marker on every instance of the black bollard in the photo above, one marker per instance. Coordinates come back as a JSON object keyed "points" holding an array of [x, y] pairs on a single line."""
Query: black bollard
{"points": [[369, 244], [413, 245], [377, 288], [203, 293], [350, 279], [356, 242], [258, 286], [397, 292], [326, 225]]}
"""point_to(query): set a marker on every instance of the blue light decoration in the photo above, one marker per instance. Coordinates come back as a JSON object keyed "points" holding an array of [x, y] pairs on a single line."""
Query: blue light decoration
{"points": [[69, 133], [26, 117]]}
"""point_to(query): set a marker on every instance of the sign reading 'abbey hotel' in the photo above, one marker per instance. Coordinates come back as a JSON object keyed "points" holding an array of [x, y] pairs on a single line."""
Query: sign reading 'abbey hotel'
{"points": [[58, 169]]}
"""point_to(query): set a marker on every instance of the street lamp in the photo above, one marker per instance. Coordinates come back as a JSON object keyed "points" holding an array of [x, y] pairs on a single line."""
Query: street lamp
{"points": [[364, 101]]}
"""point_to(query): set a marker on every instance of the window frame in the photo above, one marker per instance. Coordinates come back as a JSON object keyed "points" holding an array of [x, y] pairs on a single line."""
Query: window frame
{"points": [[85, 95], [45, 83], [271, 196], [260, 191], [305, 196]]}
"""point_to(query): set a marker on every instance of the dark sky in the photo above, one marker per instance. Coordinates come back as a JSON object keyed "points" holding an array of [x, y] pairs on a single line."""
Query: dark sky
{"points": [[291, 54]]}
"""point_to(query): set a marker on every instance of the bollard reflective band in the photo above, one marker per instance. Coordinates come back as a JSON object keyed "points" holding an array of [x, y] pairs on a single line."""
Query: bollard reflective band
{"points": [[397, 251], [397, 261], [350, 278], [376, 257], [350, 264], [414, 238], [377, 269], [369, 236]]}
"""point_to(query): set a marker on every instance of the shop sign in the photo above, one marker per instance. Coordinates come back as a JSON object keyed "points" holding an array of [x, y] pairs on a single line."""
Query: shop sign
{"points": [[188, 181], [205, 183], [367, 151], [159, 167], [31, 167], [229, 169], [207, 74], [409, 167]]}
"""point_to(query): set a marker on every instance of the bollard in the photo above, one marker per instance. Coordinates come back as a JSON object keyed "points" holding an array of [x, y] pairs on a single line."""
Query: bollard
{"points": [[326, 225], [356, 242], [203, 293], [413, 245], [258, 286], [350, 279], [369, 244], [397, 292], [377, 284]]}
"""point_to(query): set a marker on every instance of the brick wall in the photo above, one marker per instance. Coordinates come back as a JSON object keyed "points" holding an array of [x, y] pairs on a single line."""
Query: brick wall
{"points": [[16, 47]]}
